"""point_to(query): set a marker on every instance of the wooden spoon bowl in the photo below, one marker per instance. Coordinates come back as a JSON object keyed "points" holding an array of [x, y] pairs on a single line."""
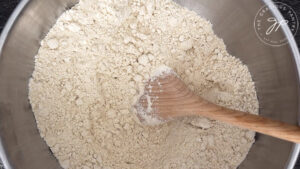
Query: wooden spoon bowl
{"points": [[166, 97]]}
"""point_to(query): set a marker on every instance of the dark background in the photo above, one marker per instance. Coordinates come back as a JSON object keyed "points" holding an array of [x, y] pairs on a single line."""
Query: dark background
{"points": [[7, 6]]}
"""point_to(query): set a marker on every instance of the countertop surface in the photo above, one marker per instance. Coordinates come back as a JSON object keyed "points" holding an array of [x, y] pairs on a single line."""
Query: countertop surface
{"points": [[7, 7]]}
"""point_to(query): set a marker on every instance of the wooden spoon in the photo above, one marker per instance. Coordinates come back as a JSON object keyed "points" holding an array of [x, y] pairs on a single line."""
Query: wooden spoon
{"points": [[166, 97]]}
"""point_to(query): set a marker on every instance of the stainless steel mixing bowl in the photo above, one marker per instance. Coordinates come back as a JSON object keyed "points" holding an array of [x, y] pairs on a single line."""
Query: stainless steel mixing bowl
{"points": [[274, 69]]}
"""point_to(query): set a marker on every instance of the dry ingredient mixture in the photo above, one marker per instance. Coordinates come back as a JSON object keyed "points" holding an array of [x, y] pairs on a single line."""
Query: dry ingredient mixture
{"points": [[89, 72]]}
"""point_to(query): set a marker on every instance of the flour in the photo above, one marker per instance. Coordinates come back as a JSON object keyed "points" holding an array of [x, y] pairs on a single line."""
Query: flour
{"points": [[92, 66]]}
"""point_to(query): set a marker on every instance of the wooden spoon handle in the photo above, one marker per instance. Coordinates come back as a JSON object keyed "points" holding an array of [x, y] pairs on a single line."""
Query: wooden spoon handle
{"points": [[253, 122]]}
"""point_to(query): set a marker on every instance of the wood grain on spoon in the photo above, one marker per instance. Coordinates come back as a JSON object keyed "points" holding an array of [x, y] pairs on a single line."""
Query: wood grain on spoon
{"points": [[167, 97]]}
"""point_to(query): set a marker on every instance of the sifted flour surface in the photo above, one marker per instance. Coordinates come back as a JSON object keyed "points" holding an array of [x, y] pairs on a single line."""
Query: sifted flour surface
{"points": [[89, 72]]}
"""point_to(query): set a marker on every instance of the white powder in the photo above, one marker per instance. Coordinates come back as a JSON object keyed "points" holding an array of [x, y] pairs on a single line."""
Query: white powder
{"points": [[91, 67], [144, 114], [161, 70]]}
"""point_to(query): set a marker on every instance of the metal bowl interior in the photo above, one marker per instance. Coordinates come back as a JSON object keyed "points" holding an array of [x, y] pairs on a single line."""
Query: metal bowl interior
{"points": [[274, 70]]}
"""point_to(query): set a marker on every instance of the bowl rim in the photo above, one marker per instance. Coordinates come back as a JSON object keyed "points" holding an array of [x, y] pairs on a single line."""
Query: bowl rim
{"points": [[287, 32], [295, 51], [14, 17]]}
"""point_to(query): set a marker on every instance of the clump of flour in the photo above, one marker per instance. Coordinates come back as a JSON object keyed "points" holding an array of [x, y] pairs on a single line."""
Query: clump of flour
{"points": [[92, 66]]}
